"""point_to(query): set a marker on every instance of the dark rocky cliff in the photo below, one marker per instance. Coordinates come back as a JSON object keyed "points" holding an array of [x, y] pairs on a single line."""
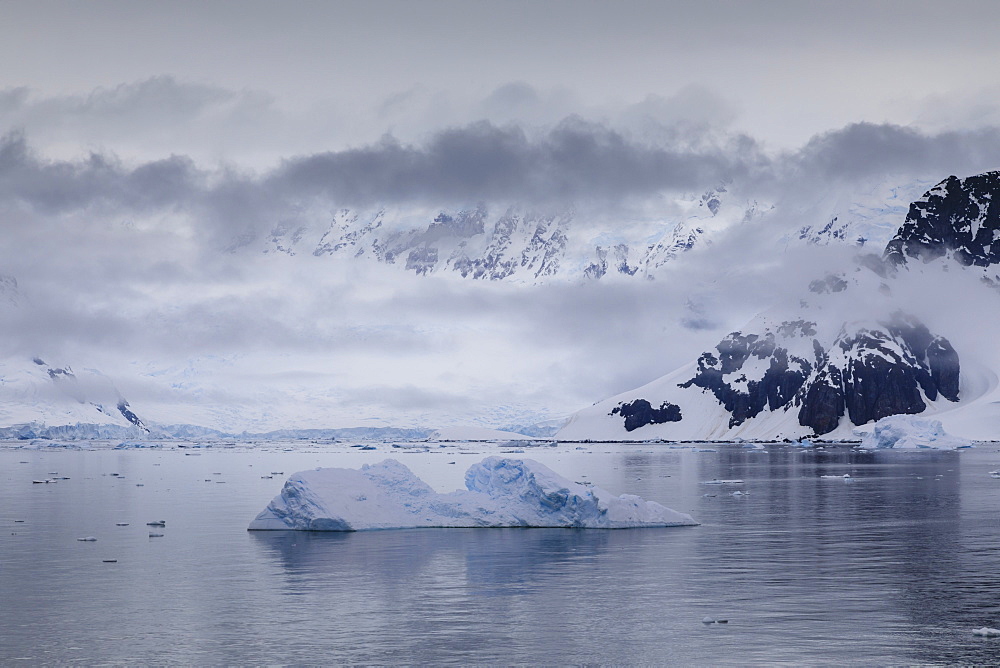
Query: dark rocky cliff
{"points": [[957, 217]]}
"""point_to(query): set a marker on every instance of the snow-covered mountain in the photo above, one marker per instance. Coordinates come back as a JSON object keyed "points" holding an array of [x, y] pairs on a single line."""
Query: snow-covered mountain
{"points": [[508, 243], [33, 391], [197, 396], [841, 356], [515, 243]]}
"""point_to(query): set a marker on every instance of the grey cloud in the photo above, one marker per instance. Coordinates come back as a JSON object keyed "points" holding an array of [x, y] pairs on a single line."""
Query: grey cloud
{"points": [[577, 160], [57, 187], [863, 150], [149, 109]]}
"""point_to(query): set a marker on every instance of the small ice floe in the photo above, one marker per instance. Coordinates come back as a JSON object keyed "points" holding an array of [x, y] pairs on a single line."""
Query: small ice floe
{"points": [[88, 539], [739, 493], [121, 524], [139, 484], [267, 477], [846, 476], [157, 523], [716, 481], [995, 474], [155, 535], [713, 620], [368, 447], [986, 632]]}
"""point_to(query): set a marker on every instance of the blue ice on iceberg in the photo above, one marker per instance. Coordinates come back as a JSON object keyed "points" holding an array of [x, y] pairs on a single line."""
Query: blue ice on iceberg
{"points": [[908, 432], [500, 492]]}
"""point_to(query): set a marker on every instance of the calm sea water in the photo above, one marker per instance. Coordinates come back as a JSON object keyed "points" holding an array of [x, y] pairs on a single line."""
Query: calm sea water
{"points": [[896, 564]]}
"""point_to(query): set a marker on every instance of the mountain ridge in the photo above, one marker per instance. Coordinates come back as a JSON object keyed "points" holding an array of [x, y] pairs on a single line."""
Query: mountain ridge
{"points": [[779, 377]]}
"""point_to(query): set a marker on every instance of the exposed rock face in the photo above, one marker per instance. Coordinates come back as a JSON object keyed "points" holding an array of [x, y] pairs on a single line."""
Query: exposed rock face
{"points": [[867, 373], [127, 413], [744, 397], [957, 218], [640, 412], [875, 373]]}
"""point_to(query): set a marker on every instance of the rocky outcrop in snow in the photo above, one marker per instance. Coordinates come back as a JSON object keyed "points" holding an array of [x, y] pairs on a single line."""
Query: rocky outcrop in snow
{"points": [[957, 219], [787, 378], [817, 367]]}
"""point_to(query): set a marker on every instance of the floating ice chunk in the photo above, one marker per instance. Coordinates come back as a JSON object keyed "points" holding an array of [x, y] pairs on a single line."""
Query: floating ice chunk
{"points": [[723, 482], [908, 432], [846, 476], [986, 632], [88, 539], [500, 493]]}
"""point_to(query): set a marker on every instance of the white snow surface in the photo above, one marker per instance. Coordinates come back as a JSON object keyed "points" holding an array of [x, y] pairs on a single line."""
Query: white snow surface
{"points": [[908, 432], [500, 492]]}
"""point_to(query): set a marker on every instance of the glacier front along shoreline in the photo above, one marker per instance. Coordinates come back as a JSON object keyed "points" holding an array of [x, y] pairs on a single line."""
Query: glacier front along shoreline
{"points": [[500, 492]]}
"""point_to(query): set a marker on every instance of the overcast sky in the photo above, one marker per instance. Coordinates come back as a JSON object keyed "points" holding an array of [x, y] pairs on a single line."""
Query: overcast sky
{"points": [[140, 139]]}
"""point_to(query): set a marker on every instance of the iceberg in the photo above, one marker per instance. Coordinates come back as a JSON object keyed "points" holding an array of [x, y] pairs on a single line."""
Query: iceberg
{"points": [[500, 492], [908, 432]]}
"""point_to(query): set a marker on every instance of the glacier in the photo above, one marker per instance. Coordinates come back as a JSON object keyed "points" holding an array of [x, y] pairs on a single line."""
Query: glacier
{"points": [[500, 492]]}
